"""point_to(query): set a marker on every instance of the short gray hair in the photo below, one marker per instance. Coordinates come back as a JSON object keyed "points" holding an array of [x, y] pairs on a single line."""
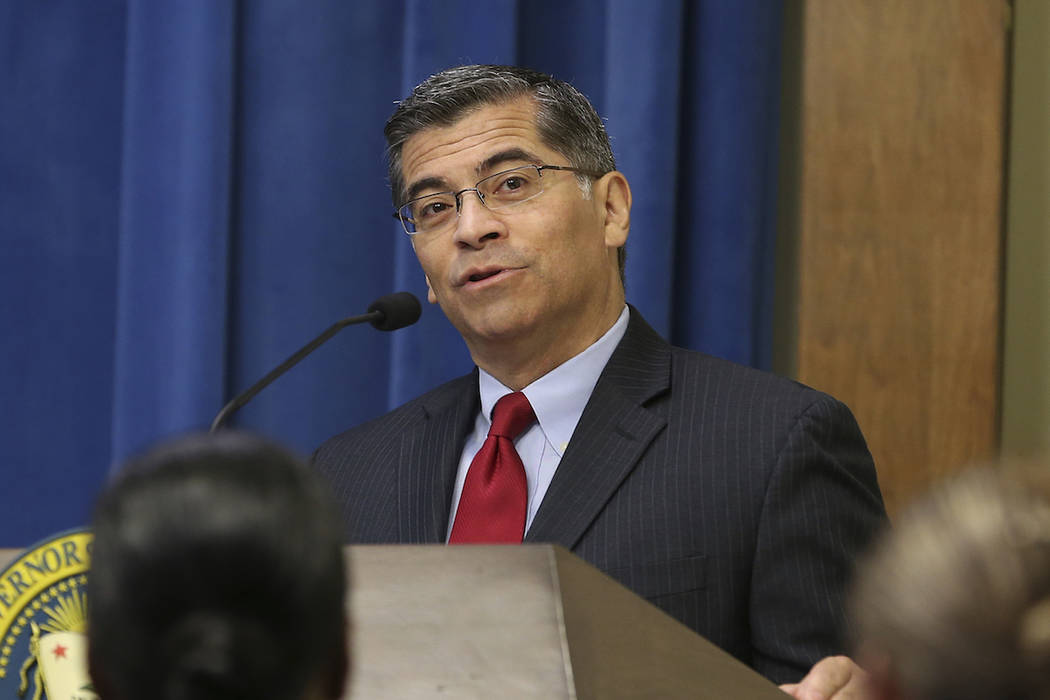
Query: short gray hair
{"points": [[565, 118]]}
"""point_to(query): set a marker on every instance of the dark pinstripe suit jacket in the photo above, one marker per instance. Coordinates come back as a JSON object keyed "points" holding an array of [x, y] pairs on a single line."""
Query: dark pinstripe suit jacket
{"points": [[733, 499]]}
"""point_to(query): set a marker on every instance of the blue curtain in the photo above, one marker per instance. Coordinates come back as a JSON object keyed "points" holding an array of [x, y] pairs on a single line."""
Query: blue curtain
{"points": [[190, 190]]}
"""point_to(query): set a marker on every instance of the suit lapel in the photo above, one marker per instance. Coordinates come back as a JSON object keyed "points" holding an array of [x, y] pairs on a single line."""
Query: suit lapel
{"points": [[429, 456], [613, 434]]}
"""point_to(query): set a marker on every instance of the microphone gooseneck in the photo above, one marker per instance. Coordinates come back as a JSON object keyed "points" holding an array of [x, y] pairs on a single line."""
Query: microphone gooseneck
{"points": [[387, 313]]}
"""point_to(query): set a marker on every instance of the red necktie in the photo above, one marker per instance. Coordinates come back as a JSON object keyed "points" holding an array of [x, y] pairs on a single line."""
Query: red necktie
{"points": [[492, 505]]}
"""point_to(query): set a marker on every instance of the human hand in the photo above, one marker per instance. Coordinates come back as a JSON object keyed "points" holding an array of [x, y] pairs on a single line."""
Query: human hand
{"points": [[832, 678]]}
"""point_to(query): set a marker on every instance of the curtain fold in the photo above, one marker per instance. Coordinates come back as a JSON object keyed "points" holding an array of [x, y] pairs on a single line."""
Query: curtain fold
{"points": [[727, 205], [314, 237], [644, 78], [61, 83], [173, 241], [205, 181]]}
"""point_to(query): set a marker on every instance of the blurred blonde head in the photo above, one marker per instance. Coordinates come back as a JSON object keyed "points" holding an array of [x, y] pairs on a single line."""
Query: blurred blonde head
{"points": [[955, 602]]}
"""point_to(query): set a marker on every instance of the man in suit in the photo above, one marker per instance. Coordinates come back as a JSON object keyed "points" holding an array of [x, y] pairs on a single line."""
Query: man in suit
{"points": [[733, 499]]}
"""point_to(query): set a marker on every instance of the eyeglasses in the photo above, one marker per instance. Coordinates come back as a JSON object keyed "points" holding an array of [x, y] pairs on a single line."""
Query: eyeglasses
{"points": [[436, 213]]}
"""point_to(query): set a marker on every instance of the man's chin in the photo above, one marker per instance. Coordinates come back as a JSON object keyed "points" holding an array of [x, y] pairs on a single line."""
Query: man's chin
{"points": [[495, 327]]}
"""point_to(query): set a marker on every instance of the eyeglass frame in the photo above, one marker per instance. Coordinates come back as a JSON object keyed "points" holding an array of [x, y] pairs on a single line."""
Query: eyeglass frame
{"points": [[458, 195]]}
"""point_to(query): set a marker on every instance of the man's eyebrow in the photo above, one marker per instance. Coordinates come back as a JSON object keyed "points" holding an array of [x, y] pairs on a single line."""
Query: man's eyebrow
{"points": [[428, 183], [440, 184], [507, 156]]}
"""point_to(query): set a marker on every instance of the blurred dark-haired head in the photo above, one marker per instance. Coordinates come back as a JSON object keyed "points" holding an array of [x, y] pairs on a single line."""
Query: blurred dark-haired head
{"points": [[217, 572]]}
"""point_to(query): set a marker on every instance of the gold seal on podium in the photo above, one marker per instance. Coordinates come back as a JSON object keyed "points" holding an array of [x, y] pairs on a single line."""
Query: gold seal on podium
{"points": [[43, 620]]}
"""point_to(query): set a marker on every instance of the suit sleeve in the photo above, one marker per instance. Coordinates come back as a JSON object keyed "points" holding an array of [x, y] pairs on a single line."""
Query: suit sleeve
{"points": [[821, 510]]}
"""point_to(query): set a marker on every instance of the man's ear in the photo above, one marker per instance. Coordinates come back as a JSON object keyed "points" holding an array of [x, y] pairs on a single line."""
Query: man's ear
{"points": [[431, 297], [613, 193]]}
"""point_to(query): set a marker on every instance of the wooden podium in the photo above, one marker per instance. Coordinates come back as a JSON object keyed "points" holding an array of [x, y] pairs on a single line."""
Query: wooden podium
{"points": [[508, 622], [529, 621]]}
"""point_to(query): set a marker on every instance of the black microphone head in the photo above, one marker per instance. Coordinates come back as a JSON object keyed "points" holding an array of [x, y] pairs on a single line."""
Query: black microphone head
{"points": [[399, 309]]}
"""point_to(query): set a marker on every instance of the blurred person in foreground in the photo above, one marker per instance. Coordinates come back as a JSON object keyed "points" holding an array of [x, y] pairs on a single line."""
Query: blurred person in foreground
{"points": [[955, 602], [217, 572]]}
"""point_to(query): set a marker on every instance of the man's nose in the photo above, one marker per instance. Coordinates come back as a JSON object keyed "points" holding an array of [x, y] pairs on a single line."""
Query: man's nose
{"points": [[476, 222]]}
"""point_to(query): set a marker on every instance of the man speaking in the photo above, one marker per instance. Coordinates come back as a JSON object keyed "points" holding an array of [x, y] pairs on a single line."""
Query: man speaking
{"points": [[733, 499]]}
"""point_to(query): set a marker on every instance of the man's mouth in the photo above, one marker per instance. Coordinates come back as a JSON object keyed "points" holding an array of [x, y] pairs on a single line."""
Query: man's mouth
{"points": [[477, 277]]}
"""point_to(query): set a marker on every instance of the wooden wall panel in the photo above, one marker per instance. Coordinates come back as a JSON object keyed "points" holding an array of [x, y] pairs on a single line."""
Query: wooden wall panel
{"points": [[900, 225]]}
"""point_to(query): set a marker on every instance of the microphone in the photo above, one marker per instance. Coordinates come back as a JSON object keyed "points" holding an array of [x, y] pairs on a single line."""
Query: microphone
{"points": [[395, 311], [387, 313]]}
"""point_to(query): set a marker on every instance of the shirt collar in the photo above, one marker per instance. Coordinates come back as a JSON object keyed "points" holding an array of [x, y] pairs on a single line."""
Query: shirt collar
{"points": [[559, 397]]}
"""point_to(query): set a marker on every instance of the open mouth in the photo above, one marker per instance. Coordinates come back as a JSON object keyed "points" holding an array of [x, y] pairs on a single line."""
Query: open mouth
{"points": [[484, 275]]}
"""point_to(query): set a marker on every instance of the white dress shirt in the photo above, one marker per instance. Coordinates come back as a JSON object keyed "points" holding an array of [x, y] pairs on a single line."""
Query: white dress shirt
{"points": [[558, 399]]}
